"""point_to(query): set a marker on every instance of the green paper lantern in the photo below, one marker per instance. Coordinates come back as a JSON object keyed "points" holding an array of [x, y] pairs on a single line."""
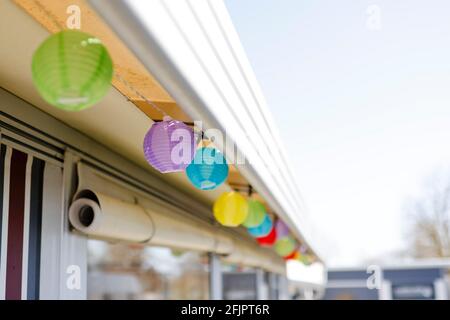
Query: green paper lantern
{"points": [[256, 214], [305, 259], [285, 246], [72, 70]]}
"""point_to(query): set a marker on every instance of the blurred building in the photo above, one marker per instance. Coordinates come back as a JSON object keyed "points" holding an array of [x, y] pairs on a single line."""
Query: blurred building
{"points": [[419, 280]]}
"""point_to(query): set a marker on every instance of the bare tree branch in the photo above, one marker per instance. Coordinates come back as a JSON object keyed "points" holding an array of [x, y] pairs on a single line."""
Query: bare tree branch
{"points": [[429, 218]]}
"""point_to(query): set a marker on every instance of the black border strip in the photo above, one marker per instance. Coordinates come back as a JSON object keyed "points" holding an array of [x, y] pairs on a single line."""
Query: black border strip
{"points": [[2, 181], [35, 229]]}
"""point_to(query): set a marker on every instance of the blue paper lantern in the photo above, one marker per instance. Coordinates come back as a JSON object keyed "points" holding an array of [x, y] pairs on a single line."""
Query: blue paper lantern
{"points": [[208, 170], [263, 229]]}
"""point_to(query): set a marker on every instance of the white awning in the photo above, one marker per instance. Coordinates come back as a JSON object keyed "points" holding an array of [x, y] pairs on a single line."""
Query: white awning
{"points": [[193, 50]]}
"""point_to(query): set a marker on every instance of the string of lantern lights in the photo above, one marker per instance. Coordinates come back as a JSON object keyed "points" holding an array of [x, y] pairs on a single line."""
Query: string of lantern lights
{"points": [[72, 70]]}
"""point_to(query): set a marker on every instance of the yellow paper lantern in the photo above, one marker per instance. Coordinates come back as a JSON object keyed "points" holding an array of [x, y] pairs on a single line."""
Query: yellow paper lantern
{"points": [[304, 258], [230, 209]]}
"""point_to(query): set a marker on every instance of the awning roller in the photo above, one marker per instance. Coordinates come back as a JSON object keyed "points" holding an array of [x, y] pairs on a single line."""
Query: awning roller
{"points": [[106, 208]]}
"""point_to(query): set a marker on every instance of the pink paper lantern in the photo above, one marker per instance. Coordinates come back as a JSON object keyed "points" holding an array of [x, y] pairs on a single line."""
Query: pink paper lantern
{"points": [[169, 145]]}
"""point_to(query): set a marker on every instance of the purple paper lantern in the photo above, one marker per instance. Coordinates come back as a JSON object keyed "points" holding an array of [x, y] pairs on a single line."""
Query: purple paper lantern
{"points": [[303, 249], [282, 229], [169, 145]]}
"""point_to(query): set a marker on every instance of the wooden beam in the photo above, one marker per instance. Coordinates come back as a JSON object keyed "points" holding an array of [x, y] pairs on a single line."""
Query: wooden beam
{"points": [[53, 14], [171, 108]]}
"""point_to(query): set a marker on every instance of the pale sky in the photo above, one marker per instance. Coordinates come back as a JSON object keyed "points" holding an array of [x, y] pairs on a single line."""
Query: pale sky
{"points": [[364, 108]]}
